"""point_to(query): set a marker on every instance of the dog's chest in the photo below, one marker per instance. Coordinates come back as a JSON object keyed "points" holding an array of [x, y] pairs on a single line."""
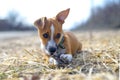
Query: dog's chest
{"points": [[61, 50]]}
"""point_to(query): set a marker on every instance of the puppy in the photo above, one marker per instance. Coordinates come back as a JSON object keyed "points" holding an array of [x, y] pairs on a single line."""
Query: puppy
{"points": [[54, 40]]}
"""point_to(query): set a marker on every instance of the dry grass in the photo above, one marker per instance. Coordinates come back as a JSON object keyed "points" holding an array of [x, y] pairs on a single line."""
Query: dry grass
{"points": [[21, 58]]}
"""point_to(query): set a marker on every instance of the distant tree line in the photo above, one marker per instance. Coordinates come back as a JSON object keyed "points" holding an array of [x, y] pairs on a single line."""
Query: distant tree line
{"points": [[14, 21], [106, 17]]}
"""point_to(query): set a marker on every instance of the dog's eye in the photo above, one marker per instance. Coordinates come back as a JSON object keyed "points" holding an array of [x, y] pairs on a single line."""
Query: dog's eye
{"points": [[45, 35], [58, 35]]}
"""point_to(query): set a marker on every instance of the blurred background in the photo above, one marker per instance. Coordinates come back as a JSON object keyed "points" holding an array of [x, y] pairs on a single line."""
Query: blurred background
{"points": [[17, 16]]}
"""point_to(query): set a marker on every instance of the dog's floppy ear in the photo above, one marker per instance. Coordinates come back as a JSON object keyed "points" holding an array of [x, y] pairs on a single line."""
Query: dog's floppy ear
{"points": [[40, 23], [61, 16]]}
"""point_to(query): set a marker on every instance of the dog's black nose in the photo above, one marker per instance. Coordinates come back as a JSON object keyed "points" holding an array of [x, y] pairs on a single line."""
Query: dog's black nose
{"points": [[52, 50]]}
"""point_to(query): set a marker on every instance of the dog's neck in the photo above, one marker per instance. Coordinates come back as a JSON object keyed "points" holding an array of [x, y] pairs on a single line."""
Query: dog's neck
{"points": [[60, 45]]}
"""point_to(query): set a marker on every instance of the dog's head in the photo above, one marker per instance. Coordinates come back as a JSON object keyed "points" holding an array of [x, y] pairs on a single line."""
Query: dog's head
{"points": [[50, 31]]}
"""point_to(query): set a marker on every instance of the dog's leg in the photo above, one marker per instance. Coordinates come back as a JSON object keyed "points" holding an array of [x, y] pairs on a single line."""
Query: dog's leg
{"points": [[67, 57], [52, 61], [67, 45]]}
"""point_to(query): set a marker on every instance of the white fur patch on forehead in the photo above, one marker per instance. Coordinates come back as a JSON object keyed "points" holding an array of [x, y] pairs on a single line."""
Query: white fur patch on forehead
{"points": [[51, 42], [52, 31]]}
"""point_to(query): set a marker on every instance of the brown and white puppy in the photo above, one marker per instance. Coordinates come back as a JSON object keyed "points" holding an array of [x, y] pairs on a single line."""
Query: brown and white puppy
{"points": [[52, 37]]}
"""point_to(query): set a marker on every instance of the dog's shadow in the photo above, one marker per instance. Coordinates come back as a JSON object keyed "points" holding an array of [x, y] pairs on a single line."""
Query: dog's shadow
{"points": [[81, 58], [84, 60]]}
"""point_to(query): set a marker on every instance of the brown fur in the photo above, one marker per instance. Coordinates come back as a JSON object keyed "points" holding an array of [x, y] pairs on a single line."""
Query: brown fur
{"points": [[43, 25]]}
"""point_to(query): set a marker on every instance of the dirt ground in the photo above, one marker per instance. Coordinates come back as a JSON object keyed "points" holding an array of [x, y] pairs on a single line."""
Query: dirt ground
{"points": [[21, 59]]}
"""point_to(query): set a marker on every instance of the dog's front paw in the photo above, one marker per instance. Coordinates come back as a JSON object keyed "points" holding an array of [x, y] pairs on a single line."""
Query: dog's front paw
{"points": [[66, 58], [52, 61]]}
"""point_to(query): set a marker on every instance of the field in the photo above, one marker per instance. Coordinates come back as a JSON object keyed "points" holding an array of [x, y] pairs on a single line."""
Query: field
{"points": [[21, 58]]}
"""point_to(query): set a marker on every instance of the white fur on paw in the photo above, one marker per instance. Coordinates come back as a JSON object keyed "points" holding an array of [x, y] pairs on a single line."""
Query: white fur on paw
{"points": [[66, 56], [53, 61]]}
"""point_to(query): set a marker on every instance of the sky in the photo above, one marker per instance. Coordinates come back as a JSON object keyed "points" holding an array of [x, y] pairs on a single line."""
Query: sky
{"points": [[31, 10]]}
